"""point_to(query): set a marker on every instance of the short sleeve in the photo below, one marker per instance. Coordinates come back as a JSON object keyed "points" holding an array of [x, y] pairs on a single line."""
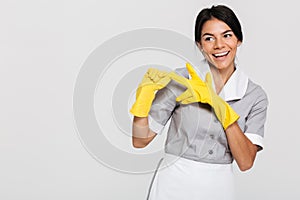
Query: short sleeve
{"points": [[255, 121]]}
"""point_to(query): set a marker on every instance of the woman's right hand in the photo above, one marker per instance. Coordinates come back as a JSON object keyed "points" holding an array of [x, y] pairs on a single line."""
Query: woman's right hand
{"points": [[155, 79], [152, 81]]}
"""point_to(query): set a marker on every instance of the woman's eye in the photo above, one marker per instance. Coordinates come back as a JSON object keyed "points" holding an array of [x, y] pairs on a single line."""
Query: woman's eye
{"points": [[227, 35], [208, 39]]}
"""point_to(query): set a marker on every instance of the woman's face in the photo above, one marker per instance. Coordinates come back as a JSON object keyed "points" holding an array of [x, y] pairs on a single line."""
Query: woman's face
{"points": [[218, 44]]}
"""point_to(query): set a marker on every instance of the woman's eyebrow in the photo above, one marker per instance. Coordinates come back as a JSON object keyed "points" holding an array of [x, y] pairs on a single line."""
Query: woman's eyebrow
{"points": [[210, 34], [207, 34], [227, 31]]}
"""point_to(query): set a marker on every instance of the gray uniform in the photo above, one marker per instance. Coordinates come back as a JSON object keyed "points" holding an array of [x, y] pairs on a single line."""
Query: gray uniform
{"points": [[195, 132]]}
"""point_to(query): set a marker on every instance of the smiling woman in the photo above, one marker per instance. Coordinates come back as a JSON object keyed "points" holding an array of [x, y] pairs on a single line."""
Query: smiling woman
{"points": [[219, 44], [213, 122], [218, 34]]}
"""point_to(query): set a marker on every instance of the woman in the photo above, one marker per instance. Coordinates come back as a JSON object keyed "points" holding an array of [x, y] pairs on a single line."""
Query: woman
{"points": [[213, 122]]}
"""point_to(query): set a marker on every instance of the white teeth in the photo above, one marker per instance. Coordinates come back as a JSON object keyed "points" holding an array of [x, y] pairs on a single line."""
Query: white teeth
{"points": [[221, 54]]}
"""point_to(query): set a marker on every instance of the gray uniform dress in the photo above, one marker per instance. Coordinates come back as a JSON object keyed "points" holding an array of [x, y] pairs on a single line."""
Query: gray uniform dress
{"points": [[196, 135]]}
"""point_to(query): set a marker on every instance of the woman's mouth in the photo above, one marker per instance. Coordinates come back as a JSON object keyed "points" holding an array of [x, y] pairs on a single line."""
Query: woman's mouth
{"points": [[220, 55]]}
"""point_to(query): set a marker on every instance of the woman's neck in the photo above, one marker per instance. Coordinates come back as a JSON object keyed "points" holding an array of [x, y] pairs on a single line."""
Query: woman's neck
{"points": [[221, 76]]}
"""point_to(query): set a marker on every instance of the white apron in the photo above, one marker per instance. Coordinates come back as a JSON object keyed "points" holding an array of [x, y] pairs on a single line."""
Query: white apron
{"points": [[186, 179]]}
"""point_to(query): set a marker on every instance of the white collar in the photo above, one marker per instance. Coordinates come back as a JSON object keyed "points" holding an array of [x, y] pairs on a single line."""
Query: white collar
{"points": [[236, 86]]}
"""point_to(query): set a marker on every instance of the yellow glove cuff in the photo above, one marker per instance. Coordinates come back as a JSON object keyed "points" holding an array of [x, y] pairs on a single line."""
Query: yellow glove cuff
{"points": [[142, 105]]}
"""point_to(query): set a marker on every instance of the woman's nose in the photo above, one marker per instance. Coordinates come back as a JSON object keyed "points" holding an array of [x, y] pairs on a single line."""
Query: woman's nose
{"points": [[219, 43]]}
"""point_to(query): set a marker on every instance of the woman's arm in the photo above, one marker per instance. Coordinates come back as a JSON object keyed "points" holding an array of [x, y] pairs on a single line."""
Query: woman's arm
{"points": [[141, 134], [242, 149], [152, 81]]}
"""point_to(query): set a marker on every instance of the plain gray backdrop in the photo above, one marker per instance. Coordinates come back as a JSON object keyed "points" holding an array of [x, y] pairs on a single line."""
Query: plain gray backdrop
{"points": [[43, 45]]}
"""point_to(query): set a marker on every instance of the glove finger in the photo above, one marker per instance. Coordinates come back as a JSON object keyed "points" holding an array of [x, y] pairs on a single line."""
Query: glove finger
{"points": [[156, 75], [164, 81], [152, 73], [188, 100], [185, 95], [179, 79], [208, 78], [148, 72], [160, 75], [192, 72], [208, 81], [146, 78]]}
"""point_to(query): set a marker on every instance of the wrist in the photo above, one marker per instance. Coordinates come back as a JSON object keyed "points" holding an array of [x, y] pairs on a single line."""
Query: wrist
{"points": [[231, 117]]}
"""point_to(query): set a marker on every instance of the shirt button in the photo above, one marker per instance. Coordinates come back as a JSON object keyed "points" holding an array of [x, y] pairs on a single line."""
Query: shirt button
{"points": [[216, 120], [212, 136], [210, 151]]}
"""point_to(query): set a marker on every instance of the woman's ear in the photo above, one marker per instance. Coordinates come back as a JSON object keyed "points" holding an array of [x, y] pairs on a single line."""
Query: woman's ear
{"points": [[199, 46], [239, 43]]}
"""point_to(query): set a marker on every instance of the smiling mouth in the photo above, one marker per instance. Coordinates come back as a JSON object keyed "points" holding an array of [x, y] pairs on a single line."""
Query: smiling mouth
{"points": [[218, 55]]}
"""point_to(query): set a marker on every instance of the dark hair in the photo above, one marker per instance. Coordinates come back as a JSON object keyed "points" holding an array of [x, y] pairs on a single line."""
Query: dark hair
{"points": [[222, 13]]}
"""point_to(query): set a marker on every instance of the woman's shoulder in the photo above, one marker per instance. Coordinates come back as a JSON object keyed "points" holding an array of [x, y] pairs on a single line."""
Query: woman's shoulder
{"points": [[256, 91]]}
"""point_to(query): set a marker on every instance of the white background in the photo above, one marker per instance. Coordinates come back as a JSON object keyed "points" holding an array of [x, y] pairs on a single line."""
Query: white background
{"points": [[43, 44]]}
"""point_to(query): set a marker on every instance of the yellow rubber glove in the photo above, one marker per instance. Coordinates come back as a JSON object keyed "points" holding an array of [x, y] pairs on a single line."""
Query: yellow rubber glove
{"points": [[152, 81], [199, 91]]}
